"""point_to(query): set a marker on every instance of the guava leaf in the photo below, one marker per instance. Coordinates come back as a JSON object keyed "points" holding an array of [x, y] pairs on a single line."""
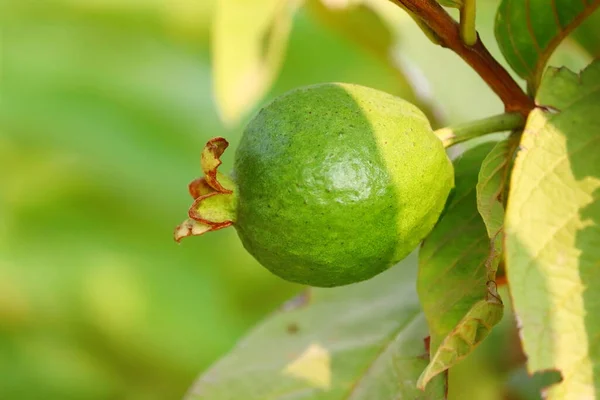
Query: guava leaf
{"points": [[452, 267], [363, 341], [367, 24], [491, 184], [587, 35], [529, 31], [468, 333], [491, 189], [553, 233], [249, 40]]}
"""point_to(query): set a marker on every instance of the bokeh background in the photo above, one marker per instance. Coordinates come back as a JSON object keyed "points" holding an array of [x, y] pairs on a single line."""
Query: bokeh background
{"points": [[106, 105]]}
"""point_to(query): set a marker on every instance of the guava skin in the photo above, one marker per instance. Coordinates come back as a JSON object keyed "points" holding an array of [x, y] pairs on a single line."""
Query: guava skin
{"points": [[336, 183]]}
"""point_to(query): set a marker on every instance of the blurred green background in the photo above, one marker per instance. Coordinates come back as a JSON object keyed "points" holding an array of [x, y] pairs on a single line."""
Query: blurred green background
{"points": [[106, 105]]}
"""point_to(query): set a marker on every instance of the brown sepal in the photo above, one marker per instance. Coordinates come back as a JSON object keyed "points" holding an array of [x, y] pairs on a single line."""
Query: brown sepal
{"points": [[211, 159], [203, 188], [199, 187]]}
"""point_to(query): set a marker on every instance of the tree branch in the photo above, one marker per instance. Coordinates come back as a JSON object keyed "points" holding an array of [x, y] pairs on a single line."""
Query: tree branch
{"points": [[477, 56]]}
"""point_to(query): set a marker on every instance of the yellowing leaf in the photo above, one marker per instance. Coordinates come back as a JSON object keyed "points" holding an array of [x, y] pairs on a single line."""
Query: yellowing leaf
{"points": [[249, 42], [553, 233], [313, 366], [357, 21], [468, 334]]}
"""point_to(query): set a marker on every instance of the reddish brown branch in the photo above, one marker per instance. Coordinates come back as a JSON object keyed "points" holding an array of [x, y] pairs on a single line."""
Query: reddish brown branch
{"points": [[477, 56]]}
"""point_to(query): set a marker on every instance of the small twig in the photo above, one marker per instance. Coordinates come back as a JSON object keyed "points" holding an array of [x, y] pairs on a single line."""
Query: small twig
{"points": [[477, 56], [468, 33]]}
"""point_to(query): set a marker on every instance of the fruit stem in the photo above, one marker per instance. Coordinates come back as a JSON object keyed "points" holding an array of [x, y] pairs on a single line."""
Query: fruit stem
{"points": [[452, 135], [467, 22]]}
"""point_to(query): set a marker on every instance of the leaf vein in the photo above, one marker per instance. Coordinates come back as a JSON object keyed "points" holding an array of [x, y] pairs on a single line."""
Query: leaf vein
{"points": [[512, 41], [534, 41], [556, 17]]}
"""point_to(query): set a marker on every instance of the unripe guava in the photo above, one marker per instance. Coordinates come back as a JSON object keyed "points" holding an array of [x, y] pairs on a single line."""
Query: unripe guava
{"points": [[332, 184]]}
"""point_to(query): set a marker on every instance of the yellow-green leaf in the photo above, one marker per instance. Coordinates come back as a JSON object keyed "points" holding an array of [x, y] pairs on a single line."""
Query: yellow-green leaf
{"points": [[553, 233], [248, 46], [365, 24], [462, 340], [357, 21], [528, 31]]}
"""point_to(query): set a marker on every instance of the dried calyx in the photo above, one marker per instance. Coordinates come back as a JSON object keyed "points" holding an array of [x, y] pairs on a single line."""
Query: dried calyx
{"points": [[214, 195]]}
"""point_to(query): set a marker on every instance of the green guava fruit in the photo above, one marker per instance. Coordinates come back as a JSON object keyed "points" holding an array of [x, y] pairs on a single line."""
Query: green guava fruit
{"points": [[332, 184]]}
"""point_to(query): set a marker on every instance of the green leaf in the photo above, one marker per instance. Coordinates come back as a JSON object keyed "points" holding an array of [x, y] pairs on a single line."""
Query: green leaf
{"points": [[491, 184], [587, 35], [363, 341], [529, 31], [491, 188], [249, 43], [553, 235], [452, 267]]}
